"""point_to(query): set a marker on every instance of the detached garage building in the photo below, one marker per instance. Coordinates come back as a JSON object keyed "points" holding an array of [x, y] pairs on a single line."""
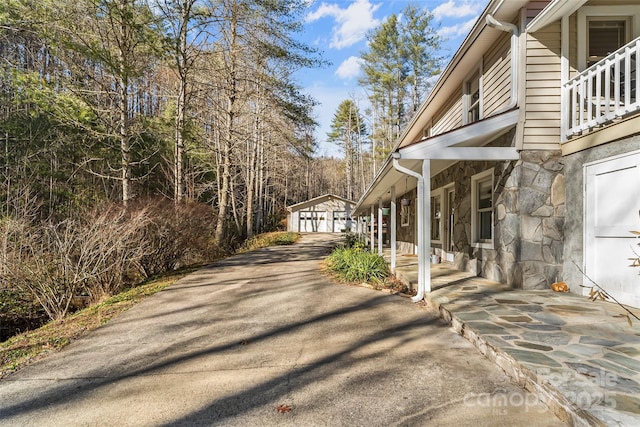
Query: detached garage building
{"points": [[323, 214]]}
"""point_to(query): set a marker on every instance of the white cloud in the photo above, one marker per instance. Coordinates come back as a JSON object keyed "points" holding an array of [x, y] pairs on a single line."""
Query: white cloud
{"points": [[457, 9], [352, 23], [457, 30], [349, 68]]}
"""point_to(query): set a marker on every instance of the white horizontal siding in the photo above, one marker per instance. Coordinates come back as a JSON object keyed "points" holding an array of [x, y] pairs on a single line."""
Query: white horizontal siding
{"points": [[496, 76], [542, 89], [450, 116]]}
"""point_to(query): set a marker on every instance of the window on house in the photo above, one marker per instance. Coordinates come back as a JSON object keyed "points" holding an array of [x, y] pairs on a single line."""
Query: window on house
{"points": [[436, 217], [605, 36], [482, 199], [603, 29], [472, 111]]}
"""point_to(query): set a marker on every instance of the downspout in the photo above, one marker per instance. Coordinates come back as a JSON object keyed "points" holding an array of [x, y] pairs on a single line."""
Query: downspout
{"points": [[515, 34], [424, 271], [380, 227]]}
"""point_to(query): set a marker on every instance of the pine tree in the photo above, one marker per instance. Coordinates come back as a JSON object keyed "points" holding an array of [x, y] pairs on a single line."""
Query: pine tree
{"points": [[421, 44], [402, 55], [385, 73], [347, 131]]}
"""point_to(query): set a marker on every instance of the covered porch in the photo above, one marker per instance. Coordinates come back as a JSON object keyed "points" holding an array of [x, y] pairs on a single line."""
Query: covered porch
{"points": [[412, 168], [406, 270]]}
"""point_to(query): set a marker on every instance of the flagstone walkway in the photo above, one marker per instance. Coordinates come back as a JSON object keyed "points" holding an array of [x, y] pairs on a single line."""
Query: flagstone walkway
{"points": [[578, 356]]}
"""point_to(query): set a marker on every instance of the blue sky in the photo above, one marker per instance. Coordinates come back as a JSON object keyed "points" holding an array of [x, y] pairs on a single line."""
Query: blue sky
{"points": [[338, 29]]}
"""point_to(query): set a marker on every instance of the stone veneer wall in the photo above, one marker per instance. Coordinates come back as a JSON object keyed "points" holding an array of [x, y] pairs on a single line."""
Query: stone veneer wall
{"points": [[538, 183], [528, 219], [406, 236]]}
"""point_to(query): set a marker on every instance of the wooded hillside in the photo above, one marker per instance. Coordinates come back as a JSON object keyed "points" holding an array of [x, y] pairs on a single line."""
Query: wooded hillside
{"points": [[122, 100]]}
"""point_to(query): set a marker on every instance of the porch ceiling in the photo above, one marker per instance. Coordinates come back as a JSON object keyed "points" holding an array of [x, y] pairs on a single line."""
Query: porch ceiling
{"points": [[386, 178]]}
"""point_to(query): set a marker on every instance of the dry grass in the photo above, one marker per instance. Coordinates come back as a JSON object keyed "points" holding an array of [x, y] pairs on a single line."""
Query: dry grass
{"points": [[264, 240], [30, 346]]}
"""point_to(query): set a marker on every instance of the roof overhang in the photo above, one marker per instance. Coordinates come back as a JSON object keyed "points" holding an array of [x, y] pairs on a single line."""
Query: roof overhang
{"points": [[449, 145], [469, 54], [554, 12], [317, 200], [466, 143], [387, 177]]}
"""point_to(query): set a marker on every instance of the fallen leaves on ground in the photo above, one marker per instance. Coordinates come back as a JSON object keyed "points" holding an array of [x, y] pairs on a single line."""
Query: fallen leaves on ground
{"points": [[283, 409]]}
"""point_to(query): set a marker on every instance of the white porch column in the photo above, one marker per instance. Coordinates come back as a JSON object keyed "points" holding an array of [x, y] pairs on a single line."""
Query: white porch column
{"points": [[425, 235], [380, 227], [371, 222], [423, 214], [392, 228], [564, 77]]}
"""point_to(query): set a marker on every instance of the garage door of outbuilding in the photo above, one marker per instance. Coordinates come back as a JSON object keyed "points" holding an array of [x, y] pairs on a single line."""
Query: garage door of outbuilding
{"points": [[340, 221], [313, 221], [612, 211]]}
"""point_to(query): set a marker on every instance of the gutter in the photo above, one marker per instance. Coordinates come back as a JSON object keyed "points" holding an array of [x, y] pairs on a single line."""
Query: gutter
{"points": [[422, 215]]}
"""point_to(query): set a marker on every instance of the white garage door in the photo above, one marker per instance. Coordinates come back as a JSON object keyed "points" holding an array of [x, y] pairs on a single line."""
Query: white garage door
{"points": [[340, 221], [313, 222], [612, 211]]}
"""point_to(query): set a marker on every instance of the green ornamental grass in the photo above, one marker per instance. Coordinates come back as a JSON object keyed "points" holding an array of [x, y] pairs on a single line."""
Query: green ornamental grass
{"points": [[357, 265]]}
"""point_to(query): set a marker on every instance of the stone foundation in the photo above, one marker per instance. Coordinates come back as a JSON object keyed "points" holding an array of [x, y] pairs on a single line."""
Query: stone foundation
{"points": [[529, 208]]}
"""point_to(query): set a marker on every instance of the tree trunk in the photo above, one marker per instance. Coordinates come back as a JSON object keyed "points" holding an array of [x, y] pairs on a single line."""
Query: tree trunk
{"points": [[181, 107], [125, 149], [231, 93], [251, 178], [223, 195], [124, 107]]}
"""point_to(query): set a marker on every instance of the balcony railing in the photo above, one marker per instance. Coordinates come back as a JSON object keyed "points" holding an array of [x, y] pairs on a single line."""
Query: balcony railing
{"points": [[603, 93]]}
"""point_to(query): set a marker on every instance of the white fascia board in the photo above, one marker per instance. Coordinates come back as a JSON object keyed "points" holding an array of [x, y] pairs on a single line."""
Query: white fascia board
{"points": [[482, 131], [469, 153], [554, 12], [317, 200]]}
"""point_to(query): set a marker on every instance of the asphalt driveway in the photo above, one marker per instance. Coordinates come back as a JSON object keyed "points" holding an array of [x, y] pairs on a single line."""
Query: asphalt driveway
{"points": [[266, 339]]}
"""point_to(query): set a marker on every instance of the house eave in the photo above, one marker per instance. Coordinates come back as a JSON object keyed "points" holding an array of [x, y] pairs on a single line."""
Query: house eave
{"points": [[457, 145], [554, 12], [470, 52], [472, 135]]}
